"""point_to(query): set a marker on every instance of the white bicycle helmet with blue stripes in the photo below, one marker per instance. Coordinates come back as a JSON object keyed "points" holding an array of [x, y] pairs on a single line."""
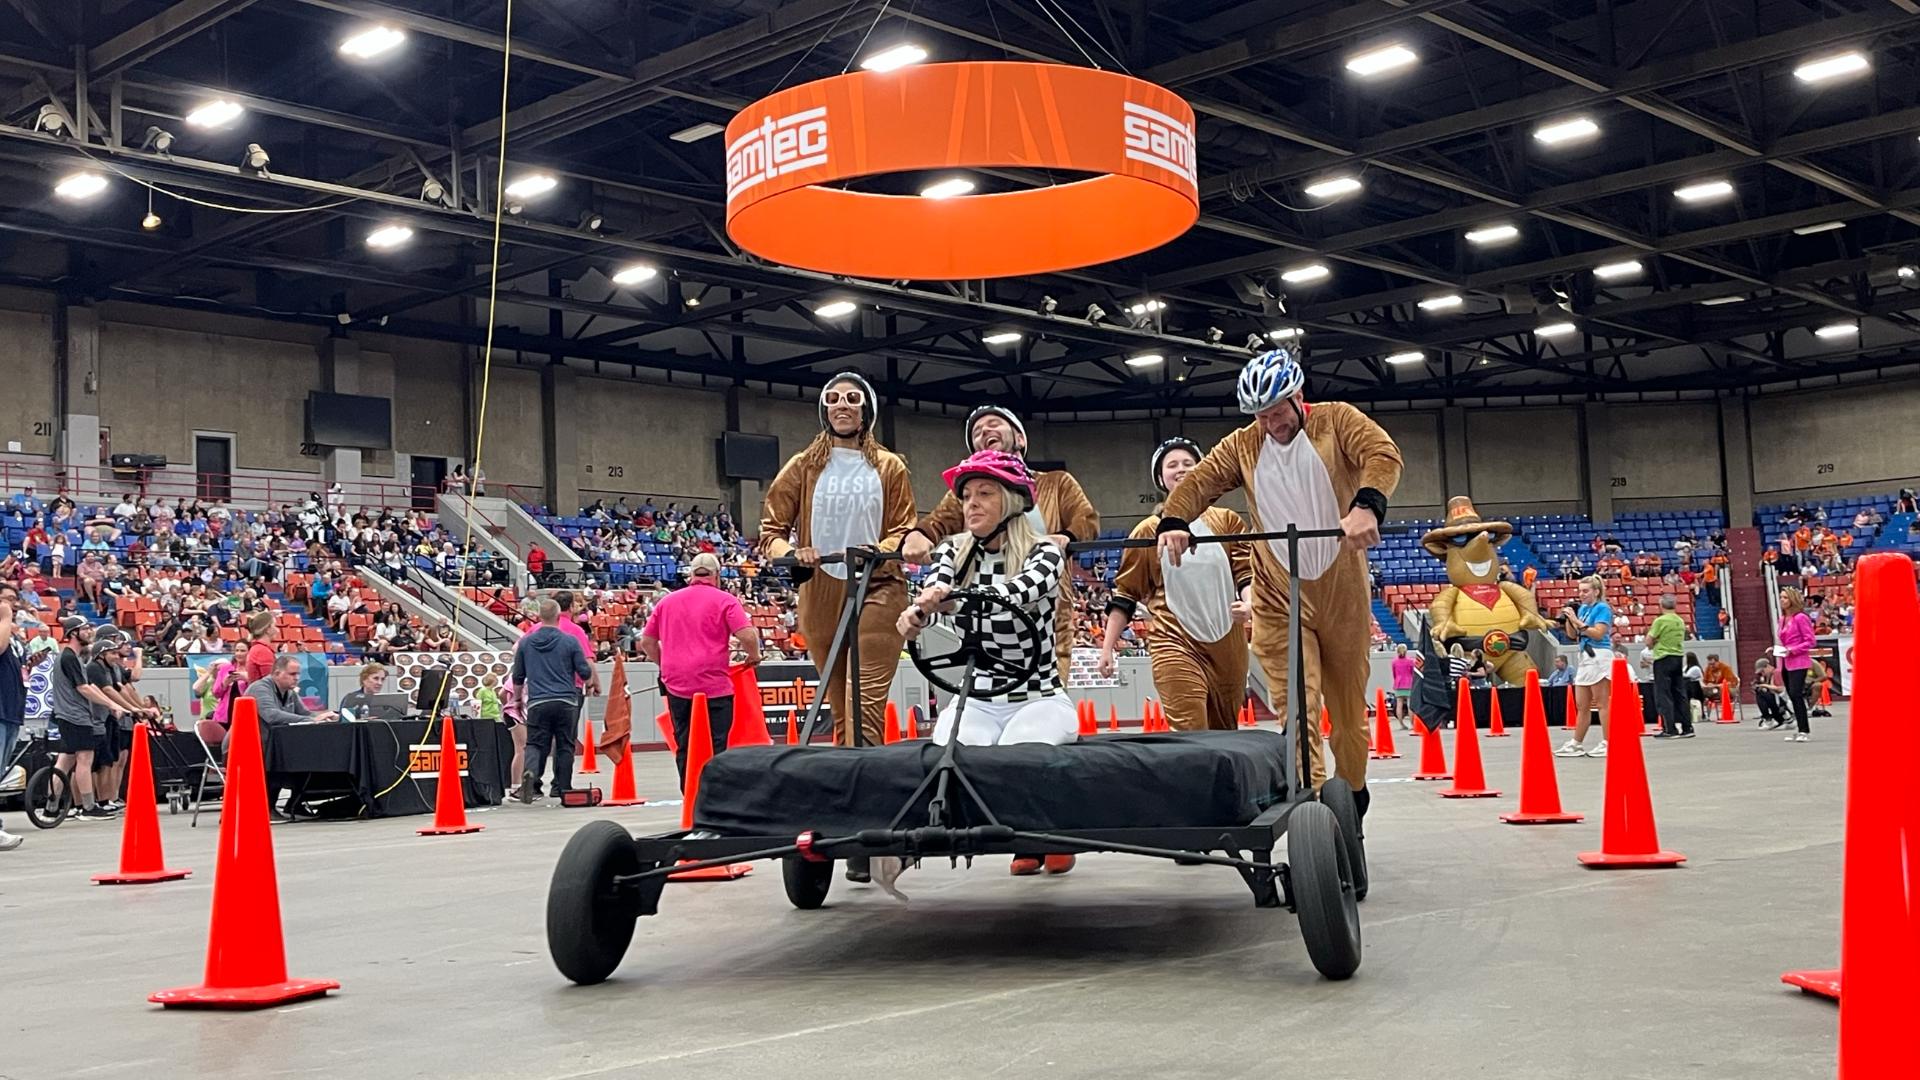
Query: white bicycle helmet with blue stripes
{"points": [[1268, 379]]}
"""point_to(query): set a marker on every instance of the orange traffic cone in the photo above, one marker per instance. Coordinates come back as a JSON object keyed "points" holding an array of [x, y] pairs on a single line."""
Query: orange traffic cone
{"points": [[1326, 723], [1088, 725], [1539, 787], [1469, 776], [450, 795], [1246, 714], [141, 860], [891, 733], [1113, 719], [1382, 729], [1433, 755], [912, 722], [589, 757], [1726, 705], [1826, 693], [1824, 983], [699, 752], [1497, 727], [1628, 835], [665, 723], [1880, 874], [749, 716], [1572, 707], [624, 792], [246, 955]]}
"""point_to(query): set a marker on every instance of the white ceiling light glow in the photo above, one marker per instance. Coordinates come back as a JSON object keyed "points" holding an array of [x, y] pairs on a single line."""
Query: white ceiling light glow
{"points": [[1285, 333], [387, 237], [1832, 67], [1720, 301], [1825, 226], [1493, 234], [1553, 330], [1301, 275], [80, 186], [1441, 303], [1704, 191], [895, 58], [214, 114], [531, 186], [835, 309], [1003, 337], [371, 42], [1566, 131], [1616, 271], [1414, 356], [697, 132], [948, 188], [1836, 330], [1333, 187], [1380, 61], [634, 274], [1146, 360]]}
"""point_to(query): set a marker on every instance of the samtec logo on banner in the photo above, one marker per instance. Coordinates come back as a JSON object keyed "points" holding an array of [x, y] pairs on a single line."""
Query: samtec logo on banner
{"points": [[423, 761], [1158, 139], [777, 146]]}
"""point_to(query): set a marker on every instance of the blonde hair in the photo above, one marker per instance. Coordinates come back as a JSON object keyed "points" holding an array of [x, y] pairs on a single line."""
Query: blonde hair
{"points": [[1599, 584], [1016, 542], [1792, 596], [368, 671]]}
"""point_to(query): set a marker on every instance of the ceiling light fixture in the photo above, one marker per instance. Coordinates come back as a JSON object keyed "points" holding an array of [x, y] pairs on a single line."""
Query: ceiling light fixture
{"points": [[1301, 275], [531, 186], [1255, 344], [1380, 61], [1836, 330], [158, 139], [1285, 333], [80, 186], [894, 58], [1564, 131], [387, 237], [1825, 226], [217, 113], [1617, 270], [1492, 234], [836, 309], [152, 220], [1146, 360], [948, 188], [1333, 187], [371, 42], [1095, 313], [1146, 307], [696, 132], [50, 119], [1413, 356], [1046, 305], [1441, 303], [1001, 337], [1553, 330], [1720, 301], [255, 160], [634, 274], [1704, 191], [1831, 67], [1908, 273]]}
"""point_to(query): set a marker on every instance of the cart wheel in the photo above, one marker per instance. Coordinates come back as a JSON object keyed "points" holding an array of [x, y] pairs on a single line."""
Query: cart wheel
{"points": [[1323, 890], [589, 921], [807, 882], [48, 798], [1337, 795]]}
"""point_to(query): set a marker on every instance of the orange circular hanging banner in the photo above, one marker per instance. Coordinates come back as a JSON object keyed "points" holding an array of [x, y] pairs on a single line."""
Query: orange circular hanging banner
{"points": [[783, 151]]}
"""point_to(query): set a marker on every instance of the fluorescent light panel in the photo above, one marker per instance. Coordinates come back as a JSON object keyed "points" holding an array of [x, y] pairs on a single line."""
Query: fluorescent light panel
{"points": [[1285, 333], [1832, 67], [1836, 330], [1552, 330], [1003, 337], [1493, 234], [1720, 301], [835, 309], [1563, 131], [1301, 275], [80, 185], [389, 236], [1442, 303], [697, 132], [213, 114], [1146, 360], [1333, 187], [898, 56], [1380, 61], [948, 188], [1825, 226], [531, 185], [634, 274], [1414, 356], [372, 42], [1616, 271], [1704, 191]]}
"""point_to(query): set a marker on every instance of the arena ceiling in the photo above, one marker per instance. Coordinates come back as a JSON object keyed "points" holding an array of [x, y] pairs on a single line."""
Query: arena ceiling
{"points": [[1748, 173]]}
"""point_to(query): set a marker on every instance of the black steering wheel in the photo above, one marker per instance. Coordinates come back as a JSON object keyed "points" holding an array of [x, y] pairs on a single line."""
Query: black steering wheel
{"points": [[972, 615]]}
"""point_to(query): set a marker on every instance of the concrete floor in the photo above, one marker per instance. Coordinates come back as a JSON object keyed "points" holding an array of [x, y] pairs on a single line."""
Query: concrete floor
{"points": [[1489, 953]]}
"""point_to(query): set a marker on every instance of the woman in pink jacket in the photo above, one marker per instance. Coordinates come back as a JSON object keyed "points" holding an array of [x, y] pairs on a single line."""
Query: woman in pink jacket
{"points": [[1796, 656]]}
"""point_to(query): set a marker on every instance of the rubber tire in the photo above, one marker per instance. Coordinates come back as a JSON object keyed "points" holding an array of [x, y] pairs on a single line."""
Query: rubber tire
{"points": [[1322, 890], [588, 931], [1337, 795], [807, 882], [37, 796]]}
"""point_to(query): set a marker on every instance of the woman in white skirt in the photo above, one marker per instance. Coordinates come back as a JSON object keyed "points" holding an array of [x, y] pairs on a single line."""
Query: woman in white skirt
{"points": [[1001, 553], [1590, 625]]}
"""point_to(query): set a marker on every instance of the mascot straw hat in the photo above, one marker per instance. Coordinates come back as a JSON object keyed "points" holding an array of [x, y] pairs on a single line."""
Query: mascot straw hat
{"points": [[1463, 520]]}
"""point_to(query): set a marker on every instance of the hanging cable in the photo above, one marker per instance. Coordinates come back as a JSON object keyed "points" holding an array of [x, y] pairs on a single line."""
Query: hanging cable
{"points": [[1083, 30], [877, 16]]}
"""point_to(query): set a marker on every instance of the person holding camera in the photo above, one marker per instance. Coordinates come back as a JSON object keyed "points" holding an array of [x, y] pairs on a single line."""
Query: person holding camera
{"points": [[1590, 625]]}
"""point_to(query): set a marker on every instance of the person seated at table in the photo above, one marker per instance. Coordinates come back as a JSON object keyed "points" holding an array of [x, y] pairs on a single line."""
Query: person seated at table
{"points": [[373, 680], [279, 701]]}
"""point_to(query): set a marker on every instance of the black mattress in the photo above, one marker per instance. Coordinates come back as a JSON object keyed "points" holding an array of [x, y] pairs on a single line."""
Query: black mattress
{"points": [[1202, 778]]}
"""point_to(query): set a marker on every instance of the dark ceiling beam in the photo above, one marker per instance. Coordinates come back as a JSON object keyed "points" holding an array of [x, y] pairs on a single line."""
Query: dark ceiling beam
{"points": [[44, 20], [704, 313], [153, 36], [449, 30], [857, 345]]}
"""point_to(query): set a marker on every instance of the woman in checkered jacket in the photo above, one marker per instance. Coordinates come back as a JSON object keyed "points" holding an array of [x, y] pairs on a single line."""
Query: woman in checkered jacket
{"points": [[1000, 552]]}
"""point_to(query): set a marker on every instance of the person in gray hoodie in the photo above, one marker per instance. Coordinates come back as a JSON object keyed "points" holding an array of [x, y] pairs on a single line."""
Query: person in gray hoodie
{"points": [[545, 665]]}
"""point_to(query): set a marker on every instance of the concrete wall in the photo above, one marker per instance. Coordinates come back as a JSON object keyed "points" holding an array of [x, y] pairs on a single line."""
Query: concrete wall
{"points": [[512, 452], [1423, 489], [1843, 436], [29, 410], [1522, 456]]}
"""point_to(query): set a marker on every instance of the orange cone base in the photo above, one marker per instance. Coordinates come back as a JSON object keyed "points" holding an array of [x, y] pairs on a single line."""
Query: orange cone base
{"points": [[711, 873], [1542, 819], [242, 997], [1824, 983], [1478, 793], [1375, 755], [1726, 720], [1501, 734], [587, 772], [450, 830], [1433, 776], [623, 802], [1600, 860], [143, 877]]}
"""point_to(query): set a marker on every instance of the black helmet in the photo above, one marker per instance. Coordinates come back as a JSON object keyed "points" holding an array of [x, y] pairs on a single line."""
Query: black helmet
{"points": [[1178, 442], [1003, 413], [869, 404]]}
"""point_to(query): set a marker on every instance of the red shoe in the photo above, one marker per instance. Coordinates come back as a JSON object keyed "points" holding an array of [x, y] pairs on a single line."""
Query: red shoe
{"points": [[1059, 864], [1025, 866]]}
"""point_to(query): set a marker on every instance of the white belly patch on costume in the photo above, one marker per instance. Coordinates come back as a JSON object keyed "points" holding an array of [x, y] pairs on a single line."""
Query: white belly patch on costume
{"points": [[1291, 487]]}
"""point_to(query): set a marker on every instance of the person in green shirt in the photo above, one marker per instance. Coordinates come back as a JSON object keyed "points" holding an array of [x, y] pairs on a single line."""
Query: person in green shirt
{"points": [[1664, 641], [489, 697]]}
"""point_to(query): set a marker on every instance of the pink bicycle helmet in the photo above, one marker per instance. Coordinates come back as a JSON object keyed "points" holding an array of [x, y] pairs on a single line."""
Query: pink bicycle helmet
{"points": [[1006, 468]]}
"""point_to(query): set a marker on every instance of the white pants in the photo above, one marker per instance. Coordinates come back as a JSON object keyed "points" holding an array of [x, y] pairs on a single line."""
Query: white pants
{"points": [[997, 723]]}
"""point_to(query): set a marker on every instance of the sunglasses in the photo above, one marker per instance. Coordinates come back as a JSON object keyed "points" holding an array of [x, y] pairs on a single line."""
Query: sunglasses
{"points": [[848, 397]]}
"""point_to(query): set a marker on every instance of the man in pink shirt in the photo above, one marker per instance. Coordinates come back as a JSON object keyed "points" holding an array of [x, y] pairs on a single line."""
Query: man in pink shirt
{"points": [[688, 636]]}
